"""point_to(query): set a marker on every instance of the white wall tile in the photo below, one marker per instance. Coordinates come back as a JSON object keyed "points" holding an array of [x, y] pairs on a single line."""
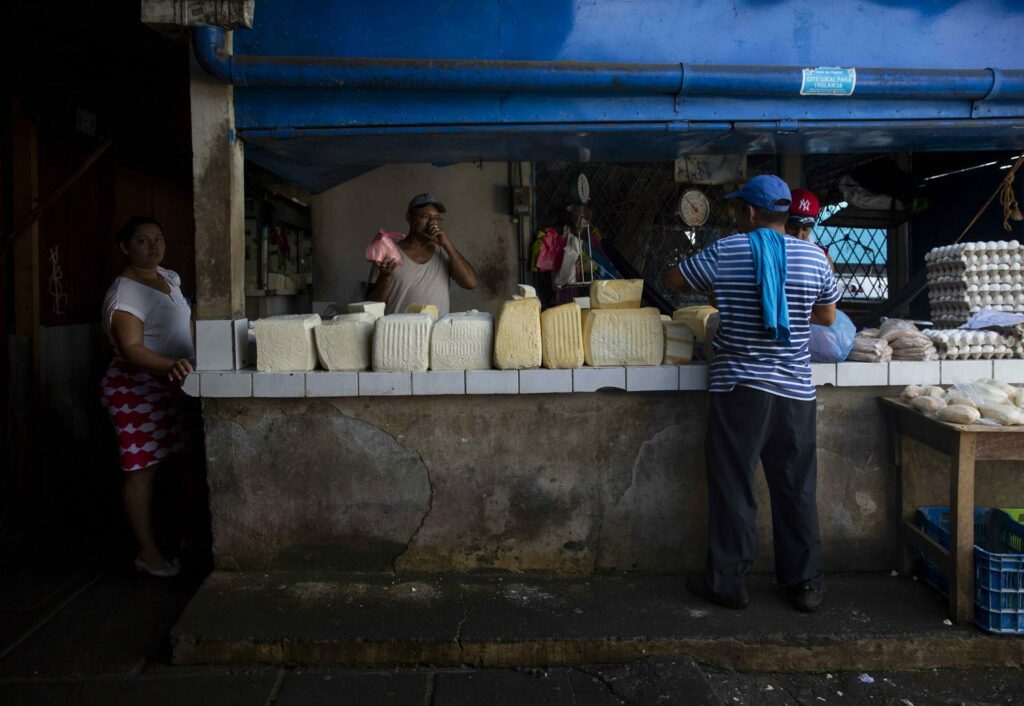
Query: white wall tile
{"points": [[229, 384], [543, 380], [593, 379], [240, 330], [954, 371], [693, 376], [214, 345], [650, 378], [1009, 370], [279, 385], [862, 374], [321, 383], [492, 382], [823, 374], [384, 384], [439, 382], [915, 372]]}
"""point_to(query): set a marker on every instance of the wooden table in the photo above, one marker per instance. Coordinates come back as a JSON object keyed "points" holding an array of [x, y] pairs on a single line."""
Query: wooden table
{"points": [[964, 444]]}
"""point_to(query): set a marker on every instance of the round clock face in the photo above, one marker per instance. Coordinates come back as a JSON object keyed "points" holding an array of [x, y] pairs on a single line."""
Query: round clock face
{"points": [[694, 208], [581, 190]]}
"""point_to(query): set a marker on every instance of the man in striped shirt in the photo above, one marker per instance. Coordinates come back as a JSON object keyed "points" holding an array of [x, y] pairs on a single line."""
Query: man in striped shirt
{"points": [[769, 288]]}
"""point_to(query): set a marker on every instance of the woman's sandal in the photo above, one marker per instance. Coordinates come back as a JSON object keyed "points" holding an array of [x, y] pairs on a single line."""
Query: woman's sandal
{"points": [[166, 571]]}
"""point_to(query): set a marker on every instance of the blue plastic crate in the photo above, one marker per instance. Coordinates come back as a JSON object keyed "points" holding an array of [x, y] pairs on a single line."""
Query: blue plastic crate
{"points": [[998, 565]]}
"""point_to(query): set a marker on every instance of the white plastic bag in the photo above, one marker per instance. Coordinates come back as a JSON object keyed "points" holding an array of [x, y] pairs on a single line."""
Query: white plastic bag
{"points": [[894, 328], [1005, 414], [928, 405], [913, 391], [980, 393], [959, 414]]}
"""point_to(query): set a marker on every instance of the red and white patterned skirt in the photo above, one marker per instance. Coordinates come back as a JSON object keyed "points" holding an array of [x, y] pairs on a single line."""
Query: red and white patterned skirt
{"points": [[149, 415]]}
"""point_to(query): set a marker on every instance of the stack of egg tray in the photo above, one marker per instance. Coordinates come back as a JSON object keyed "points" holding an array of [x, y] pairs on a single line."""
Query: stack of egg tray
{"points": [[967, 277]]}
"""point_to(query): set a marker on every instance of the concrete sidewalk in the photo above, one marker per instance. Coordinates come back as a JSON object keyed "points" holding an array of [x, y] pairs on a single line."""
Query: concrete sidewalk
{"points": [[522, 620], [102, 637]]}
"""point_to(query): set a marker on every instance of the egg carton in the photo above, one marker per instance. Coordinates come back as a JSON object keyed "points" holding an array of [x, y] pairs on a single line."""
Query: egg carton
{"points": [[974, 253], [959, 344]]}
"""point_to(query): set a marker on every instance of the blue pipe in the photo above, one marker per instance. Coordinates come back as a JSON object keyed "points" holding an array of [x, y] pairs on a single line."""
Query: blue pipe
{"points": [[583, 129], [591, 77]]}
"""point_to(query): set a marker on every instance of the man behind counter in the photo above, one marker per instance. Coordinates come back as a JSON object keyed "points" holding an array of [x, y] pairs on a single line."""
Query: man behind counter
{"points": [[769, 287], [429, 259]]}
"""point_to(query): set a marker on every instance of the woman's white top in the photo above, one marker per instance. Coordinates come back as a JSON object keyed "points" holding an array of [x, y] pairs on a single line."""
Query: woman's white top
{"points": [[166, 318]]}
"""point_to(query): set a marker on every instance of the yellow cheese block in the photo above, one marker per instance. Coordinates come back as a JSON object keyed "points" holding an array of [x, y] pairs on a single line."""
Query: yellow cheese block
{"points": [[696, 317], [616, 293], [517, 341], [623, 337], [561, 332], [428, 309], [678, 343]]}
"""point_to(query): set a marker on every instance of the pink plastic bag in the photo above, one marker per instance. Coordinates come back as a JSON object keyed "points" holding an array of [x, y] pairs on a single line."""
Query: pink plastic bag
{"points": [[551, 251], [383, 248]]}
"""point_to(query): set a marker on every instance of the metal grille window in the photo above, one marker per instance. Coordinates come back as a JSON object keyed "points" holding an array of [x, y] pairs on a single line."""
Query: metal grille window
{"points": [[860, 256]]}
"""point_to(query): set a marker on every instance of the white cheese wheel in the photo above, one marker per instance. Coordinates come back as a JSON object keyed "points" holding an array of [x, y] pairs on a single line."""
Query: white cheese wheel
{"points": [[678, 342], [517, 340], [623, 337], [346, 342], [616, 293], [401, 343], [462, 341], [285, 343], [375, 308], [561, 331]]}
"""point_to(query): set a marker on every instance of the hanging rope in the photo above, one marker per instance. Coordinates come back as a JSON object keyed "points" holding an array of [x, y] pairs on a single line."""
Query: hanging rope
{"points": [[1011, 211]]}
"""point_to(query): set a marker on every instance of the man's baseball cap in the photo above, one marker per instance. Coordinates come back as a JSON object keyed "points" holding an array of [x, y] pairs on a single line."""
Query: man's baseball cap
{"points": [[425, 199], [765, 191], [805, 207]]}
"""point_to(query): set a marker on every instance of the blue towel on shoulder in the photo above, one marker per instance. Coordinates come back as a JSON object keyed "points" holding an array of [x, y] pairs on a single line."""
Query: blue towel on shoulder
{"points": [[768, 250]]}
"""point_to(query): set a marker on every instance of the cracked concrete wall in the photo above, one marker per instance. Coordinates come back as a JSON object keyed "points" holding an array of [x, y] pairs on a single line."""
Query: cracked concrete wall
{"points": [[561, 483]]}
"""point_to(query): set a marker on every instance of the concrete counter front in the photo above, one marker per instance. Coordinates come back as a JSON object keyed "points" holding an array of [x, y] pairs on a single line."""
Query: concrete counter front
{"points": [[578, 483]]}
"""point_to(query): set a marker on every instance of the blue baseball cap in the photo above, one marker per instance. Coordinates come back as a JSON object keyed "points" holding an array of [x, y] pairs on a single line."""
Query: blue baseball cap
{"points": [[427, 199], [765, 191]]}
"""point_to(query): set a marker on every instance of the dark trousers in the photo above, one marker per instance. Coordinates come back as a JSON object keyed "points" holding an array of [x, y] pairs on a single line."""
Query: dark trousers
{"points": [[745, 425]]}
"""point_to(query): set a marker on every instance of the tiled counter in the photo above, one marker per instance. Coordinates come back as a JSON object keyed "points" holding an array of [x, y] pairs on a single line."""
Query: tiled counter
{"points": [[248, 383]]}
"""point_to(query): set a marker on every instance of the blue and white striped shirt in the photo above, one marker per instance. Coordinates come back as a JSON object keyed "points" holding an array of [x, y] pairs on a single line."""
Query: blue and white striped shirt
{"points": [[745, 353]]}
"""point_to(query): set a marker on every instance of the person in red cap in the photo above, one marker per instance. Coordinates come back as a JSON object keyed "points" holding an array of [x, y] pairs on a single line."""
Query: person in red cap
{"points": [[803, 214]]}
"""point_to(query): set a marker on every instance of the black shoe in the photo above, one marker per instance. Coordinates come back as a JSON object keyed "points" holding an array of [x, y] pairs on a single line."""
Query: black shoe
{"points": [[697, 584], [805, 597]]}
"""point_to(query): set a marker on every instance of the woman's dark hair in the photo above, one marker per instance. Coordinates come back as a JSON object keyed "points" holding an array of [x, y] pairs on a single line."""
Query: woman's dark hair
{"points": [[129, 228]]}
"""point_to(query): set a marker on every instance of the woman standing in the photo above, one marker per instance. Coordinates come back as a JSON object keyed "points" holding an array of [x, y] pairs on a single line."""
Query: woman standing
{"points": [[149, 324]]}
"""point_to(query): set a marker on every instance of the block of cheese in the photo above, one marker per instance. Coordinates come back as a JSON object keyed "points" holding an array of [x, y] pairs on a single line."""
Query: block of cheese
{"points": [[582, 302], [623, 337], [517, 343], [678, 343], [561, 333], [428, 309], [462, 341], [696, 317], [285, 343], [524, 291], [616, 293], [345, 342], [375, 308], [401, 343]]}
